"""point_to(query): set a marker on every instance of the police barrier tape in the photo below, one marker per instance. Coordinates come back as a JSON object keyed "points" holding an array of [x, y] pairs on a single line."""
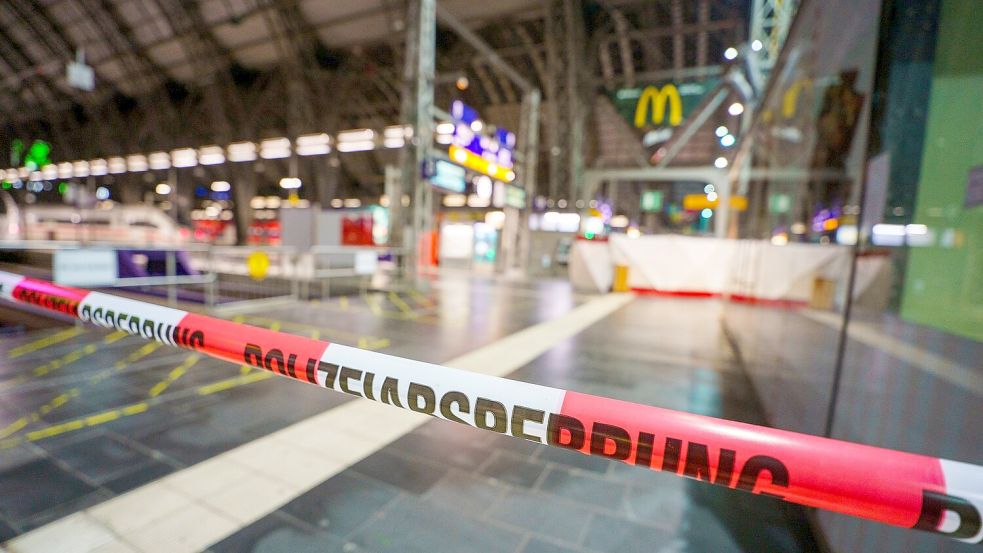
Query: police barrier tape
{"points": [[903, 489]]}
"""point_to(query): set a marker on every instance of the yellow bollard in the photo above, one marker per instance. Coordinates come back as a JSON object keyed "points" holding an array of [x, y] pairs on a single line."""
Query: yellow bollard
{"points": [[620, 279]]}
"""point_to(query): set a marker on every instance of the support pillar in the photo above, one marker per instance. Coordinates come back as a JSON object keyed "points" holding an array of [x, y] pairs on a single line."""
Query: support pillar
{"points": [[416, 112]]}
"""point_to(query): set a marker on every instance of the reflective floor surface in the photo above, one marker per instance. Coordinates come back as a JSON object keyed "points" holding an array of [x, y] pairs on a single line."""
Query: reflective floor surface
{"points": [[87, 415]]}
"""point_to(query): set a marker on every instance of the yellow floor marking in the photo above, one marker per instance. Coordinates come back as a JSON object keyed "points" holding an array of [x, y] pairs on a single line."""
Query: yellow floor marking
{"points": [[402, 305], [372, 302], [343, 302], [233, 382], [421, 299], [71, 393], [176, 373], [77, 424], [45, 342]]}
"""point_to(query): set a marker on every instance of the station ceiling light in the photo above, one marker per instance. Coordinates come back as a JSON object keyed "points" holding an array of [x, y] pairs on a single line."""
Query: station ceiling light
{"points": [[274, 148], [211, 155], [313, 144], [221, 186], [722, 131], [136, 163], [455, 200], [184, 157], [290, 183], [79, 169], [49, 172], [756, 45], [163, 189], [445, 128], [242, 151], [98, 167], [357, 140], [117, 165], [65, 170], [730, 53], [736, 108], [720, 162], [352, 202], [159, 160], [727, 140]]}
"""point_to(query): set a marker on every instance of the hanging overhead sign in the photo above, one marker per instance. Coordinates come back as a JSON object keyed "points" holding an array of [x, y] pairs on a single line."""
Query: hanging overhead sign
{"points": [[448, 176], [660, 105], [493, 144]]}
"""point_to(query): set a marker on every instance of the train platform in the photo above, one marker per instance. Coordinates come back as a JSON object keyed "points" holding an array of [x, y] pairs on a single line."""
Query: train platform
{"points": [[113, 443]]}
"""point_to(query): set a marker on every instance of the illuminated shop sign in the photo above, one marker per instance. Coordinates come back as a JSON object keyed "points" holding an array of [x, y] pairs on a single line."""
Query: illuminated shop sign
{"points": [[515, 197], [494, 145], [660, 105], [448, 176]]}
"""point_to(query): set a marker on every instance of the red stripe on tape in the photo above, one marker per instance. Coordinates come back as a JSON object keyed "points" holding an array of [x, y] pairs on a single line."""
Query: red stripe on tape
{"points": [[49, 296], [286, 354], [851, 478]]}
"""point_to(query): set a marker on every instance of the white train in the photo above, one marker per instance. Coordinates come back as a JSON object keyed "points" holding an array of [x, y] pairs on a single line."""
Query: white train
{"points": [[123, 224]]}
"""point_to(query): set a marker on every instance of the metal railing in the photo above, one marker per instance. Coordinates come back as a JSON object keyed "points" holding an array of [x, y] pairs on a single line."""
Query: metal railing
{"points": [[220, 274]]}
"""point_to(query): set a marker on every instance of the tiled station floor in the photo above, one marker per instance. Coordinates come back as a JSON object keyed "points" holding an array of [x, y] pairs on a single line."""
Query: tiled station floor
{"points": [[86, 416]]}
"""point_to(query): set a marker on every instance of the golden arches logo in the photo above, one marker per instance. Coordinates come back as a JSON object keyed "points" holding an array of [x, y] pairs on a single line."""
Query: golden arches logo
{"points": [[790, 100], [658, 98]]}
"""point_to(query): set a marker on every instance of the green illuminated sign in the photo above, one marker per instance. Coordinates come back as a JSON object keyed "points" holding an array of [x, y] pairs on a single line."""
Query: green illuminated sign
{"points": [[37, 156], [652, 200]]}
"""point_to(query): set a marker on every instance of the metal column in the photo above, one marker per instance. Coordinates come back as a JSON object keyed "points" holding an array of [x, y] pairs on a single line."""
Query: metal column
{"points": [[416, 113], [565, 42]]}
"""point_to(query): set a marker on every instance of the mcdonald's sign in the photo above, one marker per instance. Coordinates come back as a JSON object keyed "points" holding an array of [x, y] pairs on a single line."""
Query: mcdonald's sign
{"points": [[655, 101], [661, 104]]}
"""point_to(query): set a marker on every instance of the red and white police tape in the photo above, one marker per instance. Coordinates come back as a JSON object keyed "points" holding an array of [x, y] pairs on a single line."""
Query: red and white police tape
{"points": [[889, 486]]}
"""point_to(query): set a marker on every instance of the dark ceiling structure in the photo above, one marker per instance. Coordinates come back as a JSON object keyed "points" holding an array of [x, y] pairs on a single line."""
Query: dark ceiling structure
{"points": [[178, 73]]}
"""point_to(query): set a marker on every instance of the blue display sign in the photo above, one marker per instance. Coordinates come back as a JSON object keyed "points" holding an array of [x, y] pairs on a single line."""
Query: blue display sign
{"points": [[493, 144], [448, 176]]}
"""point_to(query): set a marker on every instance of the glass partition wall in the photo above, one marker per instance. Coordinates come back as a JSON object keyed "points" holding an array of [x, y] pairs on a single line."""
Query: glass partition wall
{"points": [[864, 179]]}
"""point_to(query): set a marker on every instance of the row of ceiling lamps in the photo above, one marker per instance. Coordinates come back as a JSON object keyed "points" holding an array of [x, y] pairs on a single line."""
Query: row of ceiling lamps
{"points": [[353, 140]]}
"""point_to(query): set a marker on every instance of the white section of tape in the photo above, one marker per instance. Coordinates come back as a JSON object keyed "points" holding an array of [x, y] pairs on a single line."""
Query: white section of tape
{"points": [[8, 281], [153, 322], [508, 393], [965, 481]]}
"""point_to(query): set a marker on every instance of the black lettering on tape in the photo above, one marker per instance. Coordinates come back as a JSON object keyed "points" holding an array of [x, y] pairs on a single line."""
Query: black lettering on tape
{"points": [[421, 391], [452, 398], [367, 385], [148, 329], [85, 313], [291, 364], [755, 466], [725, 467], [934, 506], [565, 425], [274, 361], [330, 372], [197, 340], [601, 435], [346, 374], [670, 457], [484, 407], [697, 462], [390, 392], [252, 355], [134, 325], [643, 453], [310, 370], [519, 417]]}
